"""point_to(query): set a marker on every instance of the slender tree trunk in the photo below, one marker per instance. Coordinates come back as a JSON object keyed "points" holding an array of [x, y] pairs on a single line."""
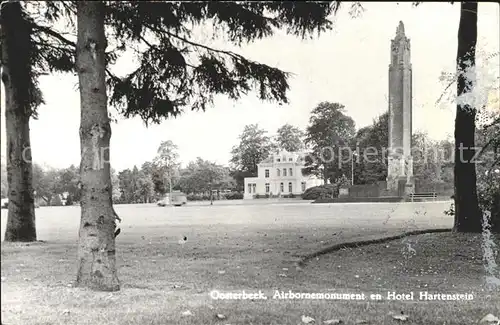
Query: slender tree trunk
{"points": [[96, 249], [324, 176], [16, 51], [211, 195], [170, 188], [468, 216]]}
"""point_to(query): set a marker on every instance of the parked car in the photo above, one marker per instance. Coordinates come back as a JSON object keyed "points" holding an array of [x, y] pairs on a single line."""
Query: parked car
{"points": [[178, 199]]}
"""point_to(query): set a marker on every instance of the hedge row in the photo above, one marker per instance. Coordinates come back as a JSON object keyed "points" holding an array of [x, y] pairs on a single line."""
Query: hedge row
{"points": [[228, 196], [275, 196]]}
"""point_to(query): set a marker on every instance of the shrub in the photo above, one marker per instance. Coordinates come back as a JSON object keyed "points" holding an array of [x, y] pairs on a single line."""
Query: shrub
{"points": [[198, 197], [321, 192], [488, 190], [342, 181], [488, 195], [265, 196], [56, 201], [234, 196], [191, 197], [451, 210]]}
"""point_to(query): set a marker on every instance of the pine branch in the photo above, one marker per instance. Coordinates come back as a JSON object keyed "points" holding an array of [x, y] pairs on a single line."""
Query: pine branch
{"points": [[208, 48], [195, 44], [54, 34]]}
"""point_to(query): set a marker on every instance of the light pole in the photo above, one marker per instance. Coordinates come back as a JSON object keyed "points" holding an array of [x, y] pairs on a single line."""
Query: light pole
{"points": [[352, 167]]}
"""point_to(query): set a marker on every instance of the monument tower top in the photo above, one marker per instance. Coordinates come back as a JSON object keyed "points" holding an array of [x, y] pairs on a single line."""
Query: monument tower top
{"points": [[400, 48], [400, 31]]}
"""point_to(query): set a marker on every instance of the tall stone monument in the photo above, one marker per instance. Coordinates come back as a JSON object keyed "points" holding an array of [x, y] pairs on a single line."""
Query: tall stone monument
{"points": [[400, 163]]}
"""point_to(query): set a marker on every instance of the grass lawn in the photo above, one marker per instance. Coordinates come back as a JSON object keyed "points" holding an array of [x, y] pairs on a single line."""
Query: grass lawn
{"points": [[251, 248]]}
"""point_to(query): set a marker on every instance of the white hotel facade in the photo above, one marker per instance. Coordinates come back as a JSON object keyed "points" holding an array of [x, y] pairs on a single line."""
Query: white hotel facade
{"points": [[280, 174]]}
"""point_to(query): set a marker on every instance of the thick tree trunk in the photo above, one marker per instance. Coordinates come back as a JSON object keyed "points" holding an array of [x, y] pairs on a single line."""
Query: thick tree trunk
{"points": [[468, 217], [495, 214], [96, 249], [16, 73]]}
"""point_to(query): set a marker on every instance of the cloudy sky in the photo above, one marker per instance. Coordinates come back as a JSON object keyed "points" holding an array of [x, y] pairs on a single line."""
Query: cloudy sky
{"points": [[348, 65]]}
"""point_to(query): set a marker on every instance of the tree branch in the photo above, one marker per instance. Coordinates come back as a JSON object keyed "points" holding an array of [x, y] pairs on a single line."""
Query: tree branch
{"points": [[496, 162], [495, 122], [41, 43], [446, 89], [208, 48], [230, 53], [54, 34], [483, 149]]}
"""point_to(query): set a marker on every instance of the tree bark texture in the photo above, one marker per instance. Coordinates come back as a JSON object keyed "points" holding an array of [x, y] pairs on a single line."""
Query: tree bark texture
{"points": [[468, 217], [495, 214], [96, 249], [16, 54]]}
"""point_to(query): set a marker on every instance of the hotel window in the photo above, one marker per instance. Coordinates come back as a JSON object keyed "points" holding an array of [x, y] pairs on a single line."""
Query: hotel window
{"points": [[290, 159], [278, 172], [290, 187], [249, 188], [267, 187], [267, 173], [278, 160], [253, 187], [282, 187], [284, 171], [303, 186], [291, 172]]}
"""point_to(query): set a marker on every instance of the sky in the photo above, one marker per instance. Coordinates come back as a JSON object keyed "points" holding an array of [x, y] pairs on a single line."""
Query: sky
{"points": [[348, 65]]}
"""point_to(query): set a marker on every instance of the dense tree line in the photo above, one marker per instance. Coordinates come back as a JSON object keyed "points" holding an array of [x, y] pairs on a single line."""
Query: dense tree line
{"points": [[332, 147], [147, 184]]}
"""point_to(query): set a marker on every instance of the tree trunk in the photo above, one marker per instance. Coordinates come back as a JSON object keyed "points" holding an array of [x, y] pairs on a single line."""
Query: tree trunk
{"points": [[325, 174], [170, 188], [96, 249], [16, 76], [468, 216], [211, 195], [495, 214]]}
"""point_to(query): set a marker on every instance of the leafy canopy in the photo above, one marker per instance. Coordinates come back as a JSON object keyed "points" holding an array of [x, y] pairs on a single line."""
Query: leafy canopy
{"points": [[330, 129], [176, 72], [290, 138], [254, 146]]}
